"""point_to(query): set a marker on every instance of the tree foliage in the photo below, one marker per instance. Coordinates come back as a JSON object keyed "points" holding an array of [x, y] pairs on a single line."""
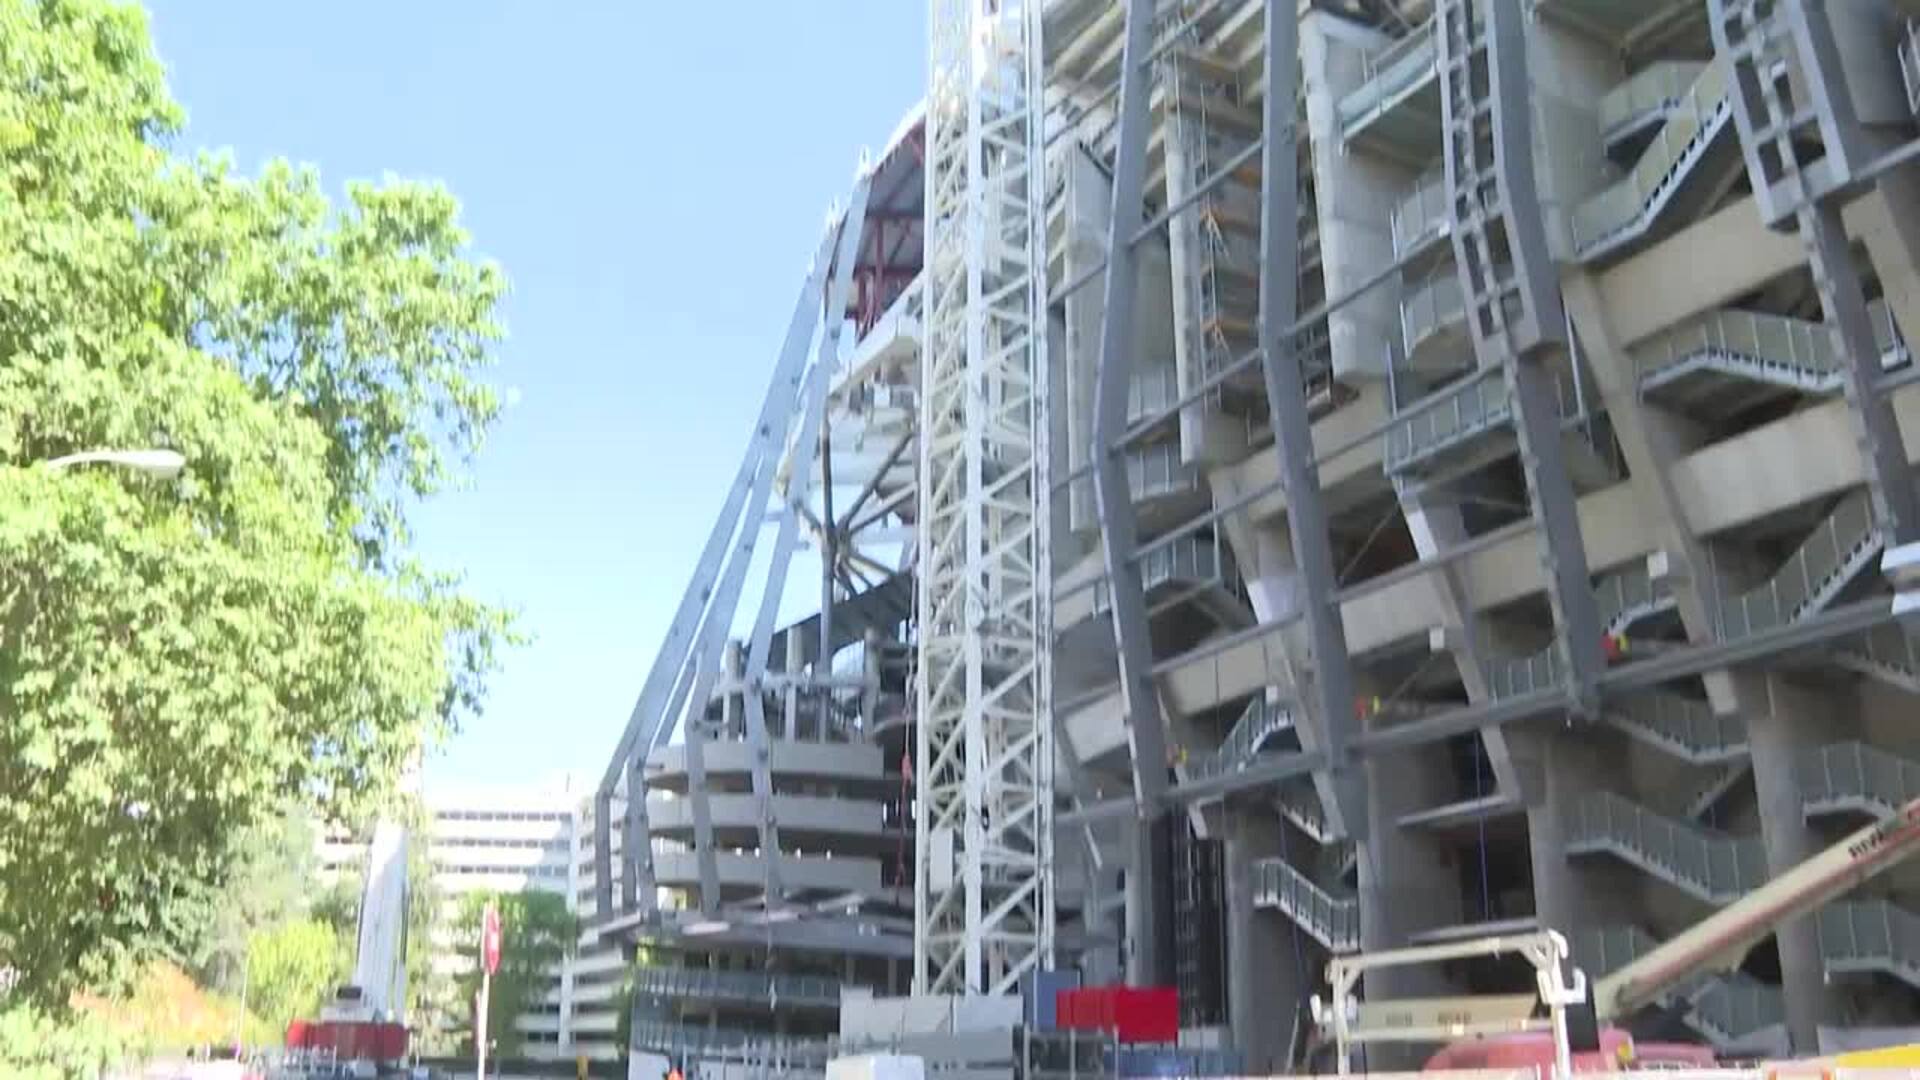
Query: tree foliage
{"points": [[293, 969], [180, 659], [537, 932]]}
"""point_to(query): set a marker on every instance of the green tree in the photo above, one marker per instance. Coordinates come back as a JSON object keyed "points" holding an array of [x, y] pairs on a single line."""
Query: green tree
{"points": [[269, 884], [537, 932], [293, 969], [179, 660]]}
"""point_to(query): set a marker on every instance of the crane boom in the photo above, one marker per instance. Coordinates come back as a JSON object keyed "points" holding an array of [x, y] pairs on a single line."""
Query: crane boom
{"points": [[1721, 941], [380, 961]]}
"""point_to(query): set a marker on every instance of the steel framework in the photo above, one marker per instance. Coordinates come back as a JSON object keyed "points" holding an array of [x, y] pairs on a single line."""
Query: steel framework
{"points": [[983, 896]]}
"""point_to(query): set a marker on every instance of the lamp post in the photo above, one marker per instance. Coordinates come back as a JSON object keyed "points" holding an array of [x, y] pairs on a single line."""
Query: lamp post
{"points": [[159, 464]]}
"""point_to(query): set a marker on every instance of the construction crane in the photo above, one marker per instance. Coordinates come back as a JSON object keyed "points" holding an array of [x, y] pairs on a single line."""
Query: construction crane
{"points": [[1502, 1031], [364, 1028]]}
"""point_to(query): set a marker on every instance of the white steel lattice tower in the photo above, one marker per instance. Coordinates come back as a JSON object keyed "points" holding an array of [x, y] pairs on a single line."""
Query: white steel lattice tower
{"points": [[983, 766]]}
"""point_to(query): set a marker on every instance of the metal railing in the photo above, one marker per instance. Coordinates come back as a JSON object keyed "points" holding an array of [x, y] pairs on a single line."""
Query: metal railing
{"points": [[1772, 348], [1260, 721], [1628, 595], [1429, 308], [1654, 90], [1702, 113], [1479, 403], [746, 986], [1192, 557], [1886, 648], [1422, 214], [1154, 388], [1389, 72], [1332, 921], [1299, 801], [1712, 866], [1605, 949], [1839, 547], [1716, 787], [1870, 934], [1515, 675], [1687, 728], [1727, 1008], [1855, 776], [1735, 1007]]}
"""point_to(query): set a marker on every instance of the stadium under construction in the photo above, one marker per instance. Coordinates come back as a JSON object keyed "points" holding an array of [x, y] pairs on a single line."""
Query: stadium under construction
{"points": [[1391, 474]]}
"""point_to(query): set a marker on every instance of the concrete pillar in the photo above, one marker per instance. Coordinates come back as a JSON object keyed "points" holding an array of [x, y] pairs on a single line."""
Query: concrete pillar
{"points": [[1559, 767], [1407, 884], [1785, 726], [1147, 962], [1354, 194], [1271, 967]]}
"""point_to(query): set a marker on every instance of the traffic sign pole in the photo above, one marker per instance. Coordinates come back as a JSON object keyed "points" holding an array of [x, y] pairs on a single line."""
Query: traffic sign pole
{"points": [[489, 963]]}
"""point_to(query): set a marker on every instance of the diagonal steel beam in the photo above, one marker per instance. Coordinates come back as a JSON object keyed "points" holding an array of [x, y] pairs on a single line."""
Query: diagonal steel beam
{"points": [[1292, 429], [1113, 501], [647, 724]]}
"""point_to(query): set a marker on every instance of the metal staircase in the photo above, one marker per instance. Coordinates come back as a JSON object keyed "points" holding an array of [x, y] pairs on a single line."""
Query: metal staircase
{"points": [[1699, 125], [1833, 554], [1299, 802], [1258, 723], [1622, 598], [1440, 437], [1330, 919], [1681, 726], [1627, 595], [1728, 360], [1886, 652], [1854, 778], [1704, 863], [1645, 102], [1729, 1010], [1870, 937]]}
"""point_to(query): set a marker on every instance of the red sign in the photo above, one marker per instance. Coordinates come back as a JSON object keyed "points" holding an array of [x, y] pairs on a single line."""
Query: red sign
{"points": [[1134, 1014], [490, 940]]}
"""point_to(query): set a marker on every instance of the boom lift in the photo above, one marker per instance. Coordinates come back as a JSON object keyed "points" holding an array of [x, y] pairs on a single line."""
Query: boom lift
{"points": [[1503, 1031], [364, 1027]]}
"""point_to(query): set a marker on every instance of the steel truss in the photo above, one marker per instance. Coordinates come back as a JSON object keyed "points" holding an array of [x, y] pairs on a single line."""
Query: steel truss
{"points": [[681, 681], [983, 894]]}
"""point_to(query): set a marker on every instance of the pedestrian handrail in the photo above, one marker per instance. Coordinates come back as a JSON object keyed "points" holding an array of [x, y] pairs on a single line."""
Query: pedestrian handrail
{"points": [[1257, 723], [1423, 213], [1777, 348], [1681, 725], [1299, 801], [1872, 934], [1711, 865], [1388, 72], [1701, 114], [1838, 548], [1657, 88], [1855, 775], [1431, 306], [1332, 921]]}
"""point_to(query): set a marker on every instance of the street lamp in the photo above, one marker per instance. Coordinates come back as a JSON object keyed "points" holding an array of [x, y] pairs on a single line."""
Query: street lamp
{"points": [[159, 464]]}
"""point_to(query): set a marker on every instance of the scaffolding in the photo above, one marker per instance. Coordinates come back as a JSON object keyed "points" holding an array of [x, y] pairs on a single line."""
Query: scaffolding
{"points": [[983, 900]]}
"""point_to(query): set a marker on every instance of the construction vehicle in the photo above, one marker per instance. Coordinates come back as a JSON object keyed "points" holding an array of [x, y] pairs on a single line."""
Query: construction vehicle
{"points": [[362, 1032], [1506, 1031]]}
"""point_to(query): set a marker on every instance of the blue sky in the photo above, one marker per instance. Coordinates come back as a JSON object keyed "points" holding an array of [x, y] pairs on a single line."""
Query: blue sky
{"points": [[654, 177]]}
